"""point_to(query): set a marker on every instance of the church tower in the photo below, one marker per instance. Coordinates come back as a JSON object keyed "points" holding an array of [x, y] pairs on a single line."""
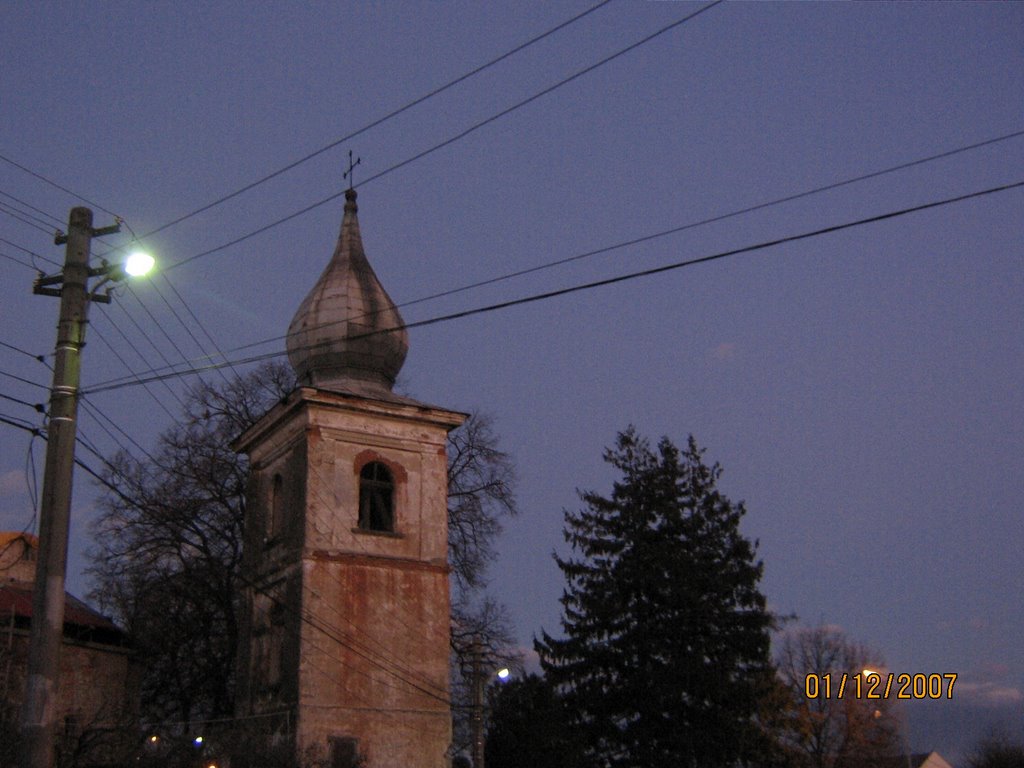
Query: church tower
{"points": [[344, 646]]}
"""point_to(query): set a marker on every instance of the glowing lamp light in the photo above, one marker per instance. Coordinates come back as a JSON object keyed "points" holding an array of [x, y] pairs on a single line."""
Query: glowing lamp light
{"points": [[154, 739], [198, 740], [503, 673], [138, 264]]}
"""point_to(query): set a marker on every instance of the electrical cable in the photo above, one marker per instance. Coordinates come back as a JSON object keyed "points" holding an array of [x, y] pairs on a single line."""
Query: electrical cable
{"points": [[647, 238], [52, 183], [332, 632], [163, 330], [30, 253], [18, 261], [200, 324], [40, 358], [23, 381], [325, 628], [202, 349], [451, 140], [130, 370], [35, 406], [413, 632], [31, 481], [20, 423], [188, 330], [19, 201], [599, 283], [138, 327], [93, 410], [378, 121], [25, 218]]}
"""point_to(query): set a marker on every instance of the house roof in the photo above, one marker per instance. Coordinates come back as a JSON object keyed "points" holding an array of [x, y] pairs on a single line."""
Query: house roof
{"points": [[6, 537], [80, 621], [918, 760]]}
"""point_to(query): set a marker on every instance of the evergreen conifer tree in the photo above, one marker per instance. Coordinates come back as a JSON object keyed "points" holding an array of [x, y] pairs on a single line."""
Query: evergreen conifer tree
{"points": [[666, 634]]}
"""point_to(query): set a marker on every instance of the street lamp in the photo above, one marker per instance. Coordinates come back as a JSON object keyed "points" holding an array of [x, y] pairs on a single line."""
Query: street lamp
{"points": [[138, 264], [479, 679], [904, 741], [38, 715]]}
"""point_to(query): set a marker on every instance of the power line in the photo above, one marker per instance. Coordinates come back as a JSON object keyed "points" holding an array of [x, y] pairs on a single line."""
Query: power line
{"points": [[141, 356], [151, 343], [26, 218], [450, 140], [654, 236], [93, 410], [18, 261], [20, 423], [40, 358], [52, 183], [24, 381], [332, 632], [131, 371], [201, 326], [183, 324], [608, 281], [30, 252], [19, 201], [160, 326], [175, 313], [35, 406], [378, 121]]}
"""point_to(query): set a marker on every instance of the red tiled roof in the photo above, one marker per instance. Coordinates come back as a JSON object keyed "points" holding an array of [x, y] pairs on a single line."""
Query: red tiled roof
{"points": [[16, 598]]}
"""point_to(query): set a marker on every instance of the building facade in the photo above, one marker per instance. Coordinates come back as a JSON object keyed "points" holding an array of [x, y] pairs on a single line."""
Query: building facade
{"points": [[344, 649], [99, 675]]}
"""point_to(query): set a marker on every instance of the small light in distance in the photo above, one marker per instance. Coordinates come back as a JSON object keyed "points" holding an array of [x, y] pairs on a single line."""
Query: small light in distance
{"points": [[197, 740], [154, 739], [503, 673], [138, 264]]}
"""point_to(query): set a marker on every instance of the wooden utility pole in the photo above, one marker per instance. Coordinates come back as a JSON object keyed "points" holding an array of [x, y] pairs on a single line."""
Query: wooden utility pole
{"points": [[39, 711]]}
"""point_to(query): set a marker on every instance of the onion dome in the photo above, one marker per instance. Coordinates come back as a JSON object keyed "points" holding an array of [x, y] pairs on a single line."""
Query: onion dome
{"points": [[341, 337]]}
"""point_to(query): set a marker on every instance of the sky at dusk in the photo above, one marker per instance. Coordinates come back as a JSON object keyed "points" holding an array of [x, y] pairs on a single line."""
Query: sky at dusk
{"points": [[861, 389]]}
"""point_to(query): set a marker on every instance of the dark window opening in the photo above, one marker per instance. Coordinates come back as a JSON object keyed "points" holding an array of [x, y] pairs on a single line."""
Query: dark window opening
{"points": [[344, 752], [376, 498], [275, 521]]}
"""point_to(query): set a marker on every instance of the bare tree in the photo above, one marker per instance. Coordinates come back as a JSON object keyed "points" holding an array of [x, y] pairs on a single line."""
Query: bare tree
{"points": [[997, 750], [167, 546], [481, 481], [823, 727]]}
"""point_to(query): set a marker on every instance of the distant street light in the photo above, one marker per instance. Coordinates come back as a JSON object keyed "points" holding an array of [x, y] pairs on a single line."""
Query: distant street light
{"points": [[479, 679], [39, 710]]}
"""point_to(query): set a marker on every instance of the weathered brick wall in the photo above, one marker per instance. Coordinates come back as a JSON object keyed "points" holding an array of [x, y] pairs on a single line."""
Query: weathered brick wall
{"points": [[362, 641]]}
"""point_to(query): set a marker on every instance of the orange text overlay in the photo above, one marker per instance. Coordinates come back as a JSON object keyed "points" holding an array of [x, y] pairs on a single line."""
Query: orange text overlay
{"points": [[874, 685]]}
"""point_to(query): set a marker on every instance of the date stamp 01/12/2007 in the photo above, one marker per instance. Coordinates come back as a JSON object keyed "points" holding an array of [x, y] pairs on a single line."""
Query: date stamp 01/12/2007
{"points": [[874, 685]]}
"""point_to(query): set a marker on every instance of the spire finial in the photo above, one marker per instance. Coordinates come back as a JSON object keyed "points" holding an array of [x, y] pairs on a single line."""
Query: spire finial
{"points": [[351, 166]]}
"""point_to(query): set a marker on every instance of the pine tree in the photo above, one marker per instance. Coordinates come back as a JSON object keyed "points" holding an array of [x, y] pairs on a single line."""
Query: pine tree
{"points": [[666, 632]]}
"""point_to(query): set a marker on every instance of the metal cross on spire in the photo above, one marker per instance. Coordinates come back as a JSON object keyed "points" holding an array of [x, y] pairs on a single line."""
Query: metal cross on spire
{"points": [[348, 174]]}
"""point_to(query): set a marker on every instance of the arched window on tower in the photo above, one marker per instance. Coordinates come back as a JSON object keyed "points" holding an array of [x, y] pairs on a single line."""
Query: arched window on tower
{"points": [[376, 498]]}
